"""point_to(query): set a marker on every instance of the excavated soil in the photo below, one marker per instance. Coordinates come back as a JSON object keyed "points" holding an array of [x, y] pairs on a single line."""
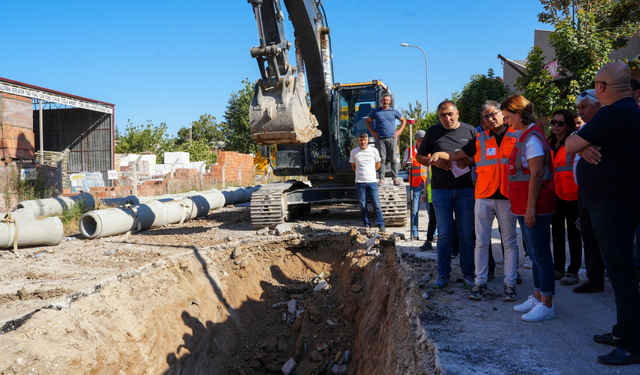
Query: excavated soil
{"points": [[214, 296]]}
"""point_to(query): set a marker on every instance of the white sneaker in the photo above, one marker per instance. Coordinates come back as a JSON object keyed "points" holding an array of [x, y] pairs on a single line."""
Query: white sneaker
{"points": [[529, 304], [527, 263], [539, 313]]}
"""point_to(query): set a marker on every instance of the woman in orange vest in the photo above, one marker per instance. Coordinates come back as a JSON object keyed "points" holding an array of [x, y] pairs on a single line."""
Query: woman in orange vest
{"points": [[532, 197], [566, 201]]}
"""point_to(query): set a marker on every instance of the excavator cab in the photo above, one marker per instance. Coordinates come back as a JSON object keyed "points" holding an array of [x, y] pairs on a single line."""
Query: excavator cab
{"points": [[355, 102]]}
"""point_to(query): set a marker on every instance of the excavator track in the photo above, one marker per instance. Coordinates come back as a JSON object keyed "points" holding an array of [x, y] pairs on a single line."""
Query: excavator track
{"points": [[393, 200], [269, 205]]}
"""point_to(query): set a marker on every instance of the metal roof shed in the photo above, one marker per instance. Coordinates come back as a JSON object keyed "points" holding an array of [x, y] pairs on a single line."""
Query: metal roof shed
{"points": [[82, 125]]}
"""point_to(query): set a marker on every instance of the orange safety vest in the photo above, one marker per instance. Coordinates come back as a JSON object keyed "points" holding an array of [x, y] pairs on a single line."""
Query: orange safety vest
{"points": [[519, 178], [492, 162], [418, 171], [566, 187]]}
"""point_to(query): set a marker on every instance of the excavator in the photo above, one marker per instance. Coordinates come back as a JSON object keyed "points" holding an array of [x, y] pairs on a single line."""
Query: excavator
{"points": [[314, 143]]}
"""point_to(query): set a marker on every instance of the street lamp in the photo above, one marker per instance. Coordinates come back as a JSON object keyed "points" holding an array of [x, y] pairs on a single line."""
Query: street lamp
{"points": [[426, 67]]}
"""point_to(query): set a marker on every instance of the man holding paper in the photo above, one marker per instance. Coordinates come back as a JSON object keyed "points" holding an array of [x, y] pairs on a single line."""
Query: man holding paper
{"points": [[451, 191]]}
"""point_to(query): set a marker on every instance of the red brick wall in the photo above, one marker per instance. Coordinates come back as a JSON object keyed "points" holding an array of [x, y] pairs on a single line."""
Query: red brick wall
{"points": [[234, 160]]}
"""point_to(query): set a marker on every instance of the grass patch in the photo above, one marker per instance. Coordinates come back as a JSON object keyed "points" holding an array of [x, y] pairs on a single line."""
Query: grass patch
{"points": [[71, 218]]}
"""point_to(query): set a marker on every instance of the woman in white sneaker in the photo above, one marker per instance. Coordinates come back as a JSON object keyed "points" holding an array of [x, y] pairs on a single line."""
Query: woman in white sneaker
{"points": [[532, 197]]}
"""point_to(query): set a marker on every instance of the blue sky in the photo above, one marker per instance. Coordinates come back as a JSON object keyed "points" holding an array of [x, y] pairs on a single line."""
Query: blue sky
{"points": [[172, 61]]}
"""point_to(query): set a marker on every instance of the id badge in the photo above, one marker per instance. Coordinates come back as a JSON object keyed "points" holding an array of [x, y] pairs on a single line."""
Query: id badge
{"points": [[491, 151]]}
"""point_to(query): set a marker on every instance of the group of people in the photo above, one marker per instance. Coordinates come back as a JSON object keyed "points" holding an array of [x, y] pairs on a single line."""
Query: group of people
{"points": [[583, 178]]}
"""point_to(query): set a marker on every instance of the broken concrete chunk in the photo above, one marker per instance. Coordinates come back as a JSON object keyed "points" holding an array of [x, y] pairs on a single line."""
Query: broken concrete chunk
{"points": [[236, 253], [284, 228], [288, 367], [291, 306], [321, 286], [318, 278], [339, 369], [263, 231]]}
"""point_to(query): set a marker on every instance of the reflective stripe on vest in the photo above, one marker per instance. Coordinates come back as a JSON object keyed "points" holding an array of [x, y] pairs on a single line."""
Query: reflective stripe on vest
{"points": [[492, 169], [519, 178], [417, 170], [565, 184]]}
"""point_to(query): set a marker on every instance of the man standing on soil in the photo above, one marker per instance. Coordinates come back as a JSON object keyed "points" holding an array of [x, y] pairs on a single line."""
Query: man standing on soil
{"points": [[365, 161], [491, 149], [451, 190], [609, 191], [387, 135]]}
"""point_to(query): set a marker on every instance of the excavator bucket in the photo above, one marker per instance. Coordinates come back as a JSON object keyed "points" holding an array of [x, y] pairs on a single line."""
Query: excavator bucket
{"points": [[279, 115]]}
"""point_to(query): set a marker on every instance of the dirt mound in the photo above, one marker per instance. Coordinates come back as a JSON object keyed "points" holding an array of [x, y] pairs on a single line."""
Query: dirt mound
{"points": [[252, 306]]}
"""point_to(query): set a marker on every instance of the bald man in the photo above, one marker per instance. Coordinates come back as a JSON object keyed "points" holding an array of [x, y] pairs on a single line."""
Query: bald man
{"points": [[609, 190]]}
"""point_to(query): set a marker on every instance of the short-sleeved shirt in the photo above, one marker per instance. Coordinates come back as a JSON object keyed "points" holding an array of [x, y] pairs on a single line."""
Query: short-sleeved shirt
{"points": [[614, 182], [385, 121], [470, 150], [365, 161], [438, 138]]}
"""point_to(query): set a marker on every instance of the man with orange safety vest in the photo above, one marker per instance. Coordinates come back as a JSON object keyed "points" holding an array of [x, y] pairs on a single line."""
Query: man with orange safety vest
{"points": [[418, 179], [491, 150]]}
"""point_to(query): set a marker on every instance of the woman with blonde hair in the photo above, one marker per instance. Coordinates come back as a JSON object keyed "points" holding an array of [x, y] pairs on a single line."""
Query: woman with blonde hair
{"points": [[532, 197]]}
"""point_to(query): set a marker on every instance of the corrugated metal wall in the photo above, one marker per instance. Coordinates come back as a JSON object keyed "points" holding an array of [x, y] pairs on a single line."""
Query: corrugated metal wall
{"points": [[86, 133]]}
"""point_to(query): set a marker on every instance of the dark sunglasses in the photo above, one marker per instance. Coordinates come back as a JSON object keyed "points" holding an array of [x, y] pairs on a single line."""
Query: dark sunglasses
{"points": [[593, 84], [559, 123], [584, 94]]}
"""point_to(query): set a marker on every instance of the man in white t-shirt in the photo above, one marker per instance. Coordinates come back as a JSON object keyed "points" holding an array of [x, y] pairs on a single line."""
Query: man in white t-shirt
{"points": [[365, 161]]}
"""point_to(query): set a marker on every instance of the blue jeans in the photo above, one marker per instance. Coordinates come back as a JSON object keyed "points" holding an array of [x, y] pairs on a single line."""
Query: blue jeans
{"points": [[615, 231], [538, 240], [446, 203], [369, 189], [415, 207]]}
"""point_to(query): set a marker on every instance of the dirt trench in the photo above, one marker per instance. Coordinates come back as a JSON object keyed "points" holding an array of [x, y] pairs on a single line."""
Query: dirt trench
{"points": [[245, 307]]}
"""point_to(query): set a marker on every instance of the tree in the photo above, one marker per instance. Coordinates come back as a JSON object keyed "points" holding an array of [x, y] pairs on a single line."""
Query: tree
{"points": [[423, 119], [586, 32], [480, 89], [205, 128], [137, 139], [199, 150], [238, 131]]}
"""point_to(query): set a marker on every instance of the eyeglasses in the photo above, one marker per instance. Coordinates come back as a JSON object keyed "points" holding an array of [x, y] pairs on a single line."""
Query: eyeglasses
{"points": [[584, 94], [559, 123], [593, 84], [491, 115]]}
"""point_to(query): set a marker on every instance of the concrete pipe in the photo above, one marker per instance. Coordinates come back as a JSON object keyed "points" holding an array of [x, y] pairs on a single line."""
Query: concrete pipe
{"points": [[21, 214], [56, 206], [113, 221], [37, 232]]}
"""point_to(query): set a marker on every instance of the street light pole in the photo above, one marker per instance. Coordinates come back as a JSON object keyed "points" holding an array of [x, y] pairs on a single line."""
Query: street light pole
{"points": [[426, 67]]}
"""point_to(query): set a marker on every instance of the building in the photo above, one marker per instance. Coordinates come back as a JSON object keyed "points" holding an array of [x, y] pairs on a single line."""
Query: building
{"points": [[35, 120]]}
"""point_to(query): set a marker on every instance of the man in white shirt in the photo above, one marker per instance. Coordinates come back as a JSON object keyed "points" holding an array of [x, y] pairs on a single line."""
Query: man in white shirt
{"points": [[365, 161]]}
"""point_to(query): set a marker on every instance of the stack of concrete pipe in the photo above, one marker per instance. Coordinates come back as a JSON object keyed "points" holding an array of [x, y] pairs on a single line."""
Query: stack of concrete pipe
{"points": [[139, 212], [154, 214], [30, 232]]}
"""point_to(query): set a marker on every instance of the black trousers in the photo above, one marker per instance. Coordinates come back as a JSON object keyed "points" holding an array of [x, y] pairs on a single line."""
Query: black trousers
{"points": [[565, 217], [592, 256]]}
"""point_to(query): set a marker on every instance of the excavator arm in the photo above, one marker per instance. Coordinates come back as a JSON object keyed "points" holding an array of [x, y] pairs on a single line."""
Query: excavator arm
{"points": [[279, 112]]}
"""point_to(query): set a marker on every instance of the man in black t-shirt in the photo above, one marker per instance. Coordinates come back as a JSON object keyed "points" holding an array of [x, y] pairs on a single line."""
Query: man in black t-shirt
{"points": [[609, 190], [451, 191]]}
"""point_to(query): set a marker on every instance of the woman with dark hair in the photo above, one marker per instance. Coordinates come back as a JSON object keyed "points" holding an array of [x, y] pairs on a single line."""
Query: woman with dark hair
{"points": [[532, 197], [562, 125]]}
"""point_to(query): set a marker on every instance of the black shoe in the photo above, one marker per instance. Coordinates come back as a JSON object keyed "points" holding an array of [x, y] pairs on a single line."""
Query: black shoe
{"points": [[607, 339], [426, 246], [518, 278], [619, 357], [589, 287], [510, 293]]}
